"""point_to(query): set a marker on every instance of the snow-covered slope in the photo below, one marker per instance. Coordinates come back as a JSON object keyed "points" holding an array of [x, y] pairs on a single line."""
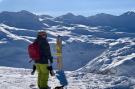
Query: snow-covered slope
{"points": [[18, 40], [97, 49], [118, 59], [88, 52], [17, 78]]}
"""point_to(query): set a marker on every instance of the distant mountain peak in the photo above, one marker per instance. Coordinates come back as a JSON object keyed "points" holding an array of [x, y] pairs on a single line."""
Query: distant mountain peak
{"points": [[129, 13], [66, 16], [45, 16], [69, 15], [5, 12], [25, 12], [20, 12], [103, 14]]}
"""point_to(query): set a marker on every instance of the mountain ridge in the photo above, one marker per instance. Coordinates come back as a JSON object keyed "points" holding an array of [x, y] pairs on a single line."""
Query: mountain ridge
{"points": [[24, 19]]}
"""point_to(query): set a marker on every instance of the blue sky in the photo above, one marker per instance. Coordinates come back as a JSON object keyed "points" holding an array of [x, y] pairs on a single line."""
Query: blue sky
{"points": [[59, 7]]}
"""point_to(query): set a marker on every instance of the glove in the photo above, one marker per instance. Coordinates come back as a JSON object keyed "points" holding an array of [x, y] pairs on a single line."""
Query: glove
{"points": [[51, 70]]}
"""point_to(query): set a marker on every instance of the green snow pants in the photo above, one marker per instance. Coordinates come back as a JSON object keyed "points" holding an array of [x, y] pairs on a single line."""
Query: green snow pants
{"points": [[43, 75]]}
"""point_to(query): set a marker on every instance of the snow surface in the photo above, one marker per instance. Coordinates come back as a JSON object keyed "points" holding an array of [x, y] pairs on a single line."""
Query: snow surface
{"points": [[18, 78]]}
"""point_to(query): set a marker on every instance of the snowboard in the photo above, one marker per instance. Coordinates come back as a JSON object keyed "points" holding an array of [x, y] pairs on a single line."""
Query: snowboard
{"points": [[59, 87], [59, 52]]}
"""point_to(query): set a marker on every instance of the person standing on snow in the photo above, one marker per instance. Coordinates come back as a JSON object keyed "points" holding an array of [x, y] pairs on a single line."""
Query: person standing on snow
{"points": [[45, 57]]}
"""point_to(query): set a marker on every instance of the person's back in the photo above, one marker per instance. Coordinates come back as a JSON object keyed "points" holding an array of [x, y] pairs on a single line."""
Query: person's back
{"points": [[45, 52]]}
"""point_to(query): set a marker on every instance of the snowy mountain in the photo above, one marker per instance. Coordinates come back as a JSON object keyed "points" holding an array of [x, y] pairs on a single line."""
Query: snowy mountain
{"points": [[91, 44], [70, 18], [28, 20], [22, 19], [118, 59], [123, 22], [96, 52], [19, 39]]}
